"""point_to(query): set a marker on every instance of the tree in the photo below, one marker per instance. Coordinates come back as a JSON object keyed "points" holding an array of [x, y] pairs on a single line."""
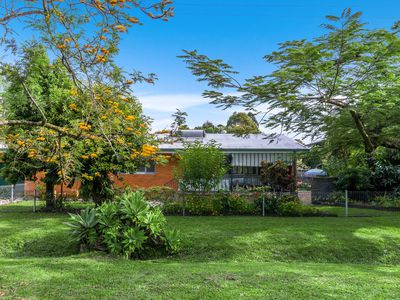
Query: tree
{"points": [[240, 123], [209, 127], [64, 159], [179, 121], [25, 157], [349, 70], [200, 167], [84, 37]]}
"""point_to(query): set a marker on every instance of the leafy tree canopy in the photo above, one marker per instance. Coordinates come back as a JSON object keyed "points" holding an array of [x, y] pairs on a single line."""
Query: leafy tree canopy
{"points": [[240, 123], [350, 71]]}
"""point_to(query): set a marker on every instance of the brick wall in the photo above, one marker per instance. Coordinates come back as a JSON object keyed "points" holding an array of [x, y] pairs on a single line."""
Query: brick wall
{"points": [[163, 176], [30, 186]]}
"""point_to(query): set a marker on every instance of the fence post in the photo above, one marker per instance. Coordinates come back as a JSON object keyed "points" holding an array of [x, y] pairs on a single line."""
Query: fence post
{"points": [[183, 203], [263, 204], [12, 193], [346, 196], [34, 199]]}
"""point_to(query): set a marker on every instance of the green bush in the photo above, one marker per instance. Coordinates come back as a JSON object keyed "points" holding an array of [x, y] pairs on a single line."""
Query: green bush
{"points": [[172, 208], [296, 209], [203, 205], [129, 226], [273, 201], [223, 203], [235, 204], [163, 194], [385, 201]]}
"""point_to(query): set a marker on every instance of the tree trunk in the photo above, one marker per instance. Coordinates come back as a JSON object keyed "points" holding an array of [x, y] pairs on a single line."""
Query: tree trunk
{"points": [[368, 145], [97, 195], [50, 200]]}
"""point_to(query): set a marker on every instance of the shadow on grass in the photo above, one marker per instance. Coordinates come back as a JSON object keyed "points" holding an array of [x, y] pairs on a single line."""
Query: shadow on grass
{"points": [[290, 239], [100, 277], [223, 239]]}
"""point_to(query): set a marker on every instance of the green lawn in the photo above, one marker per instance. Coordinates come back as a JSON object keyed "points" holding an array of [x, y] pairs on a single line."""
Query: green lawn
{"points": [[222, 257]]}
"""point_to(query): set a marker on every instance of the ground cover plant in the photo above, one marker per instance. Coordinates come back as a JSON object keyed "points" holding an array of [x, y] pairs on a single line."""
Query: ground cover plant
{"points": [[222, 257]]}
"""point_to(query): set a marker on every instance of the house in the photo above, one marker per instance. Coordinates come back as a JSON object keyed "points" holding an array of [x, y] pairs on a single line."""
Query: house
{"points": [[245, 154]]}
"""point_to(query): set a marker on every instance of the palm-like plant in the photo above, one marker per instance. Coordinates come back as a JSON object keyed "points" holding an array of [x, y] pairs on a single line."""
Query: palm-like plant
{"points": [[83, 227]]}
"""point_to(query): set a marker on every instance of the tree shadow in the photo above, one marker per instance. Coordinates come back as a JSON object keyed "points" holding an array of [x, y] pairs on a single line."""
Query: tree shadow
{"points": [[325, 240]]}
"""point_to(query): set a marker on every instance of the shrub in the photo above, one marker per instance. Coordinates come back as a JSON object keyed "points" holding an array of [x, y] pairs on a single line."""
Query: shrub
{"points": [[234, 204], [296, 209], [385, 201], [277, 175], [129, 226], [163, 194], [273, 201], [172, 208], [203, 205]]}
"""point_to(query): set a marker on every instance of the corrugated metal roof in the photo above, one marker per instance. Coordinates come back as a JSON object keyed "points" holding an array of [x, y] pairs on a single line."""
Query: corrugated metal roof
{"points": [[251, 142]]}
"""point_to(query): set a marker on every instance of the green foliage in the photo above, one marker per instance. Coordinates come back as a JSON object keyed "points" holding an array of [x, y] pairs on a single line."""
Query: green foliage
{"points": [[235, 204], [200, 167], [240, 123], [163, 194], [387, 201], [173, 208], [223, 203], [203, 205], [296, 209], [209, 127], [179, 121], [129, 227], [354, 179], [83, 227], [320, 86], [277, 176]]}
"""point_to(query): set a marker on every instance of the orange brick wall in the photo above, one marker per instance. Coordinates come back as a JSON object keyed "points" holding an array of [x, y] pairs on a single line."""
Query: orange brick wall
{"points": [[162, 176], [68, 192]]}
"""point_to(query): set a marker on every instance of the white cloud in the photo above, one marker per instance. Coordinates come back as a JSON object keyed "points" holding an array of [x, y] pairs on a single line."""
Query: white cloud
{"points": [[170, 102], [161, 124]]}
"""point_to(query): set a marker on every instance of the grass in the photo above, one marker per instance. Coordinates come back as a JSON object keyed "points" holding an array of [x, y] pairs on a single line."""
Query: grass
{"points": [[222, 257]]}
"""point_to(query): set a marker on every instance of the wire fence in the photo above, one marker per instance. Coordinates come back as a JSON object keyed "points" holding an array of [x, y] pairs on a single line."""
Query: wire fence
{"points": [[342, 203], [11, 193], [359, 203]]}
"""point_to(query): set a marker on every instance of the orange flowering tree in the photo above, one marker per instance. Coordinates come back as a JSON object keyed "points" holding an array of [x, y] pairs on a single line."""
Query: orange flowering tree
{"points": [[91, 124]]}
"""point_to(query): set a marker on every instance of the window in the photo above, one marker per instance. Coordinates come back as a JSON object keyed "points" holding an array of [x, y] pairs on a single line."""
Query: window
{"points": [[151, 168], [148, 169], [245, 170]]}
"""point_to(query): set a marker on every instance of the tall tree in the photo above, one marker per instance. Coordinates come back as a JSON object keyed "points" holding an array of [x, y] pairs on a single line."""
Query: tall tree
{"points": [[84, 37], [350, 69], [241, 123], [65, 158], [179, 120]]}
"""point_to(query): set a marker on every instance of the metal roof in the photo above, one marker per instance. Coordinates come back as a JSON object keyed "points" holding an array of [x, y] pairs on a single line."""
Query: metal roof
{"points": [[230, 142]]}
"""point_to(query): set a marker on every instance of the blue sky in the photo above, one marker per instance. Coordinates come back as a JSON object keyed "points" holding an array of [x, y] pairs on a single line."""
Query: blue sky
{"points": [[240, 32]]}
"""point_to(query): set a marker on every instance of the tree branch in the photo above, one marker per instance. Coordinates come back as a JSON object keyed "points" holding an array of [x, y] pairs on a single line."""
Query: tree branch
{"points": [[58, 129]]}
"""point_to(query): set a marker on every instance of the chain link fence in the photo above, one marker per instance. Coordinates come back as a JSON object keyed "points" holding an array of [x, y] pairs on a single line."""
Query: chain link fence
{"points": [[11, 193], [358, 203]]}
